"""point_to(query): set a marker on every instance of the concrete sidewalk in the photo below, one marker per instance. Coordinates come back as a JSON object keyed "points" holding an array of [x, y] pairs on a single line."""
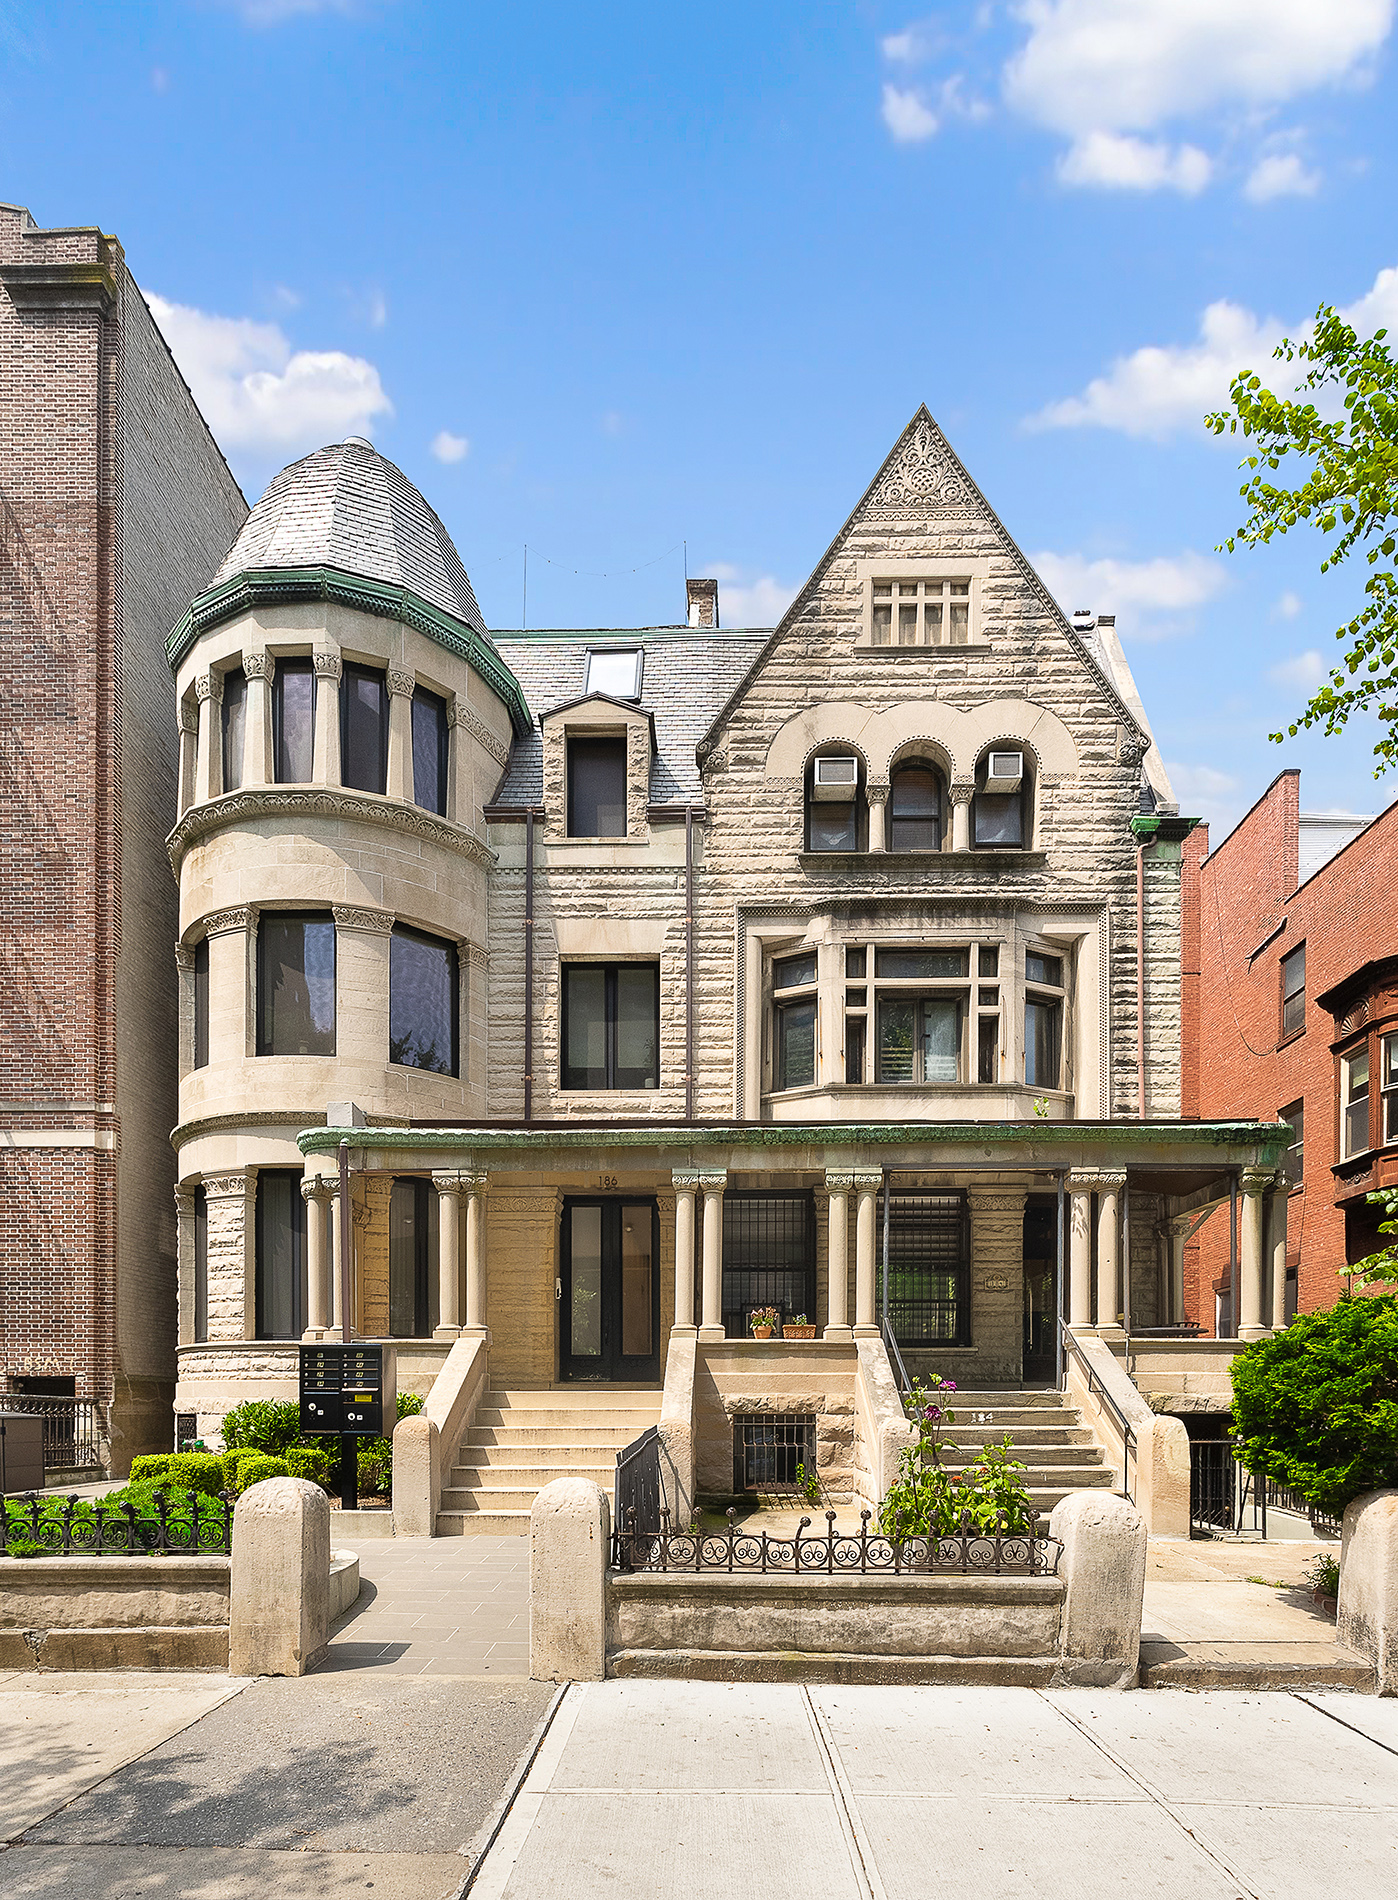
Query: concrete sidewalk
{"points": [[707, 1791]]}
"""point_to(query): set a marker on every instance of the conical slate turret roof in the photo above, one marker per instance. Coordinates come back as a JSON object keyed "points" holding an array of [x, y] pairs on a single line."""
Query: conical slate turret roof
{"points": [[346, 506]]}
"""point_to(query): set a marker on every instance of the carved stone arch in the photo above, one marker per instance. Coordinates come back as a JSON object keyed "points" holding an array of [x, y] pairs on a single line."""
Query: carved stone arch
{"points": [[836, 722], [922, 745], [926, 722], [1021, 722]]}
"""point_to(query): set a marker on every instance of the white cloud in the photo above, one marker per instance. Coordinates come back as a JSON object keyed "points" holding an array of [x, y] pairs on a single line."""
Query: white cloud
{"points": [[275, 12], [378, 310], [906, 116], [1207, 793], [1377, 309], [450, 448], [1117, 162], [1288, 606], [613, 422], [1132, 65], [1281, 175], [256, 392], [1137, 591], [1304, 670], [760, 602], [910, 47]]}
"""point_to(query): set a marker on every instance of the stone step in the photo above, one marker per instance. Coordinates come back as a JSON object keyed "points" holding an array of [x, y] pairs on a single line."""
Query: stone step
{"points": [[624, 1426], [1004, 1395], [482, 1523], [1029, 1440], [1044, 1497], [718, 1665], [476, 1477], [566, 1452], [1036, 1457], [489, 1498], [574, 1398], [1011, 1418], [584, 1437], [1241, 1665]]}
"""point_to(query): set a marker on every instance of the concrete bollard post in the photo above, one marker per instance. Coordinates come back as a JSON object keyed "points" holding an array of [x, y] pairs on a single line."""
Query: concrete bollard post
{"points": [[569, 1540], [1104, 1567], [417, 1476], [1367, 1619], [280, 1584]]}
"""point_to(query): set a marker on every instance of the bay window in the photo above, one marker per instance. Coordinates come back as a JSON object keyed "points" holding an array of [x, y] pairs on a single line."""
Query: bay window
{"points": [[431, 742], [293, 721], [423, 989], [1354, 1104], [611, 1025], [295, 984], [1389, 1055], [794, 1011], [363, 729]]}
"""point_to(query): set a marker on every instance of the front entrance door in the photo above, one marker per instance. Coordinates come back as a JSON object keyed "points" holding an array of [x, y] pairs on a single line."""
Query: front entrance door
{"points": [[1040, 1292], [609, 1291]]}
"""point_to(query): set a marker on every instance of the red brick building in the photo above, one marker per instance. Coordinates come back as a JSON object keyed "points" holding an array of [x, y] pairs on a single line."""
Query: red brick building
{"points": [[1290, 941], [115, 505]]}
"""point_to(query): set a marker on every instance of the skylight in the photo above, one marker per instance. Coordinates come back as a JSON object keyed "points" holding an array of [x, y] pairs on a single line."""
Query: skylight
{"points": [[617, 673]]}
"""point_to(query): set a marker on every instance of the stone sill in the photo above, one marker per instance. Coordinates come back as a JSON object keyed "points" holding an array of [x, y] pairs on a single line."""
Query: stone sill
{"points": [[747, 1346], [924, 861]]}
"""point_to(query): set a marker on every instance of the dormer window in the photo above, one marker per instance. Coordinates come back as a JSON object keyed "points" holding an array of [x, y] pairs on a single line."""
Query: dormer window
{"points": [[614, 671], [597, 787]]}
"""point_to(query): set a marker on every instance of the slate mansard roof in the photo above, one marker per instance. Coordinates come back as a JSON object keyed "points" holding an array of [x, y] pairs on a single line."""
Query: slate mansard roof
{"points": [[346, 506], [688, 674]]}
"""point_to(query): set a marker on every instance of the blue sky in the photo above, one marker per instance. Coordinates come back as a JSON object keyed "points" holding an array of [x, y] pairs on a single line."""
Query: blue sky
{"points": [[617, 280]]}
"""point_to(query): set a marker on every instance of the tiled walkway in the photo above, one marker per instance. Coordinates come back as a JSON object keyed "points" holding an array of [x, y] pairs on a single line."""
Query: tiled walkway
{"points": [[438, 1606]]}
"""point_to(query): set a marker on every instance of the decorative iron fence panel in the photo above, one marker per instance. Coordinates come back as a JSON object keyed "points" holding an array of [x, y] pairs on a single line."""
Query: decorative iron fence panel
{"points": [[1002, 1551], [637, 1497], [82, 1527], [768, 1447], [72, 1429]]}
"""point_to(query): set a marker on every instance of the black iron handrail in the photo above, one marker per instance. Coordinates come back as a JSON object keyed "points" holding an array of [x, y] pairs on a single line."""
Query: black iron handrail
{"points": [[968, 1551], [1099, 1390], [82, 1527], [900, 1371]]}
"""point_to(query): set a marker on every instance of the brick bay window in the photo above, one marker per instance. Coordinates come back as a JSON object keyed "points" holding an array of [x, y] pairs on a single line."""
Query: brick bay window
{"points": [[1354, 1103], [1043, 1021], [281, 1254], [1388, 1058], [597, 787], [794, 1014], [295, 984], [431, 750], [611, 1025], [364, 729], [423, 991], [293, 721], [837, 811]]}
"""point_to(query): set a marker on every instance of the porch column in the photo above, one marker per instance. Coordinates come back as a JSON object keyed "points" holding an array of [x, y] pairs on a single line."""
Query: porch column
{"points": [[208, 757], [1254, 1184], [257, 720], [1177, 1233], [712, 1184], [325, 752], [474, 1186], [400, 733], [1080, 1250], [1276, 1236], [317, 1191], [1110, 1188], [837, 1255], [866, 1183], [686, 1182], [877, 796], [960, 795], [449, 1187]]}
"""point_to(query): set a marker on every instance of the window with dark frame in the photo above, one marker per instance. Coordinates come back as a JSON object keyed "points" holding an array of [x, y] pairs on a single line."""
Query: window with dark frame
{"points": [[234, 721], [431, 750], [898, 1033], [281, 1254], [611, 1025], [412, 1257], [837, 814], [597, 788], [769, 1255], [363, 729], [293, 721], [1388, 1057], [201, 1003], [1293, 990], [1294, 1161], [929, 1269], [1043, 1021], [794, 1027], [201, 1266], [916, 807], [1354, 1103], [1000, 821], [423, 1001], [295, 984]]}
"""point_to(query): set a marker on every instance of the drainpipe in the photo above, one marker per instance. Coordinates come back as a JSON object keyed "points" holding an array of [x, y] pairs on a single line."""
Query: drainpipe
{"points": [[529, 965], [1141, 981], [346, 1242], [689, 963], [1233, 1257], [1058, 1329]]}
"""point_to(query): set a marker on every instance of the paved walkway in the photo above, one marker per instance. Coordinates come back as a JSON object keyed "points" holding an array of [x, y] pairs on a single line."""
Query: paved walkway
{"points": [[716, 1791], [437, 1606]]}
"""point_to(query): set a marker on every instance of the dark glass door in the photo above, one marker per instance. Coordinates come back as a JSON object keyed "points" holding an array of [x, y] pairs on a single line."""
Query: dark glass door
{"points": [[1040, 1292], [609, 1291]]}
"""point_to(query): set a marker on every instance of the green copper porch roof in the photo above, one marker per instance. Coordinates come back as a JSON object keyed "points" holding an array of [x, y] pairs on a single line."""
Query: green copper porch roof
{"points": [[1129, 1139]]}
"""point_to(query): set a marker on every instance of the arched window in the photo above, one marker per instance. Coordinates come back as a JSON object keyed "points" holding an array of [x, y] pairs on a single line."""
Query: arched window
{"points": [[837, 812], [1002, 810], [916, 807]]}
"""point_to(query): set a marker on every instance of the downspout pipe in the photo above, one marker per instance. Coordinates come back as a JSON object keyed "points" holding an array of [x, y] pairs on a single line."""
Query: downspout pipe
{"points": [[1141, 980], [529, 965]]}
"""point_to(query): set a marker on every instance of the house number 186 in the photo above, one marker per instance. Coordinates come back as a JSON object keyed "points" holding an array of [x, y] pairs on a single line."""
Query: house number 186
{"points": [[607, 1181]]}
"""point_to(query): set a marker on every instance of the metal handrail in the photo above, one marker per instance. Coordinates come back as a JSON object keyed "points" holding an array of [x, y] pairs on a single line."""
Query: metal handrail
{"points": [[1098, 1390], [900, 1371]]}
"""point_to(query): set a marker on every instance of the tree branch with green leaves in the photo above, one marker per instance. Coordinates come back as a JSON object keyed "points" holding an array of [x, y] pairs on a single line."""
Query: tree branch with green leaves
{"points": [[1350, 496]]}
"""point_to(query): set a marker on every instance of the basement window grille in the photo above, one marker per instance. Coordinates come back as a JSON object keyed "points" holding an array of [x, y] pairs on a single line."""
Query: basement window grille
{"points": [[768, 1447]]}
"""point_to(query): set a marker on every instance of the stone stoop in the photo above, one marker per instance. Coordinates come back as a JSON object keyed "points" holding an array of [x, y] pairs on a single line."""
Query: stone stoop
{"points": [[1049, 1438], [522, 1439]]}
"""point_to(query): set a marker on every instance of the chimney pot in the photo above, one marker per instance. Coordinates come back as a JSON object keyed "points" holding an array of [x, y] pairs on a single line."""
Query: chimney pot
{"points": [[702, 602]]}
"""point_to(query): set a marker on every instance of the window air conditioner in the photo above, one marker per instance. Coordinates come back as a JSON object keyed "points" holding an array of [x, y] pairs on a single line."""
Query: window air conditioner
{"points": [[836, 779], [1004, 771]]}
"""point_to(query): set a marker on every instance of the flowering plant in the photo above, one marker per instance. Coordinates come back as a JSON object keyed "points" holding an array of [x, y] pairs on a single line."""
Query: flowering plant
{"points": [[763, 1318], [927, 1500]]}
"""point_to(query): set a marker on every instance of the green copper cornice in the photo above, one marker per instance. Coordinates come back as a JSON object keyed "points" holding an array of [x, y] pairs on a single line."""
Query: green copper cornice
{"points": [[1150, 829], [273, 586]]}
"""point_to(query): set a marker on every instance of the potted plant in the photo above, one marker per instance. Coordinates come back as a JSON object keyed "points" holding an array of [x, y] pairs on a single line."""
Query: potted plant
{"points": [[762, 1319], [798, 1328]]}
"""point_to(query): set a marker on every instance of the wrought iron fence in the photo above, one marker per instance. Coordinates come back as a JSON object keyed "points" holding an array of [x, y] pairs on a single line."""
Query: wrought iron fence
{"points": [[1224, 1493], [970, 1551], [72, 1429], [83, 1527]]}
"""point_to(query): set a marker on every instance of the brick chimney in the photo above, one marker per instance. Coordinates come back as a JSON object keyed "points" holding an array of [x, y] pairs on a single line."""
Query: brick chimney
{"points": [[703, 603]]}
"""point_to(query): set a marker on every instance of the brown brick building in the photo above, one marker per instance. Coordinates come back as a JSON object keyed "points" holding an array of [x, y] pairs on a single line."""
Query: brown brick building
{"points": [[115, 505], [1289, 929]]}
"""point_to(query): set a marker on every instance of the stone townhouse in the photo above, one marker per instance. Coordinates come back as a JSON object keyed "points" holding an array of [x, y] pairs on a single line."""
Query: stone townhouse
{"points": [[115, 503], [652, 977]]}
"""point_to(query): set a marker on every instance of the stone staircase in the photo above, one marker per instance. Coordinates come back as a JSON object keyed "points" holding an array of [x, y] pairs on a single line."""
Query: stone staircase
{"points": [[522, 1439], [1048, 1436]]}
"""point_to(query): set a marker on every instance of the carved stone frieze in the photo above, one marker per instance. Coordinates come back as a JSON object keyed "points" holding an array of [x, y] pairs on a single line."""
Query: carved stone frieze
{"points": [[219, 923], [922, 478], [225, 1186], [329, 801], [470, 721], [400, 684], [259, 666], [357, 917]]}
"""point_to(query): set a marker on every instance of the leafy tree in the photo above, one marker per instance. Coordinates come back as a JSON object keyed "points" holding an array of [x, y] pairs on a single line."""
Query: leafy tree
{"points": [[1316, 1406], [1350, 495], [1381, 1268]]}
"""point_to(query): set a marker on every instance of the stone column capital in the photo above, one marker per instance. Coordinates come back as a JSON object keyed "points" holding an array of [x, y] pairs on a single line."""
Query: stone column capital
{"points": [[713, 1181], [1096, 1181], [839, 1180], [184, 1200], [360, 1211], [961, 791], [474, 1180], [184, 957], [220, 923], [400, 683], [259, 665], [1256, 1181], [866, 1180], [208, 686], [327, 664], [319, 1187], [449, 1181], [360, 917], [876, 791], [685, 1180], [188, 715], [225, 1186]]}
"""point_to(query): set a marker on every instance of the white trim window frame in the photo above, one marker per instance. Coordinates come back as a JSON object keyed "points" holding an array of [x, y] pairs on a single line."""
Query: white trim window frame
{"points": [[1045, 1016], [795, 1018], [933, 602], [1388, 1071], [1354, 1103]]}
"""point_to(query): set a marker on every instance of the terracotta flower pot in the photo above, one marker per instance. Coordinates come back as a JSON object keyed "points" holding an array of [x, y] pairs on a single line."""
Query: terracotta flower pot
{"points": [[762, 1332], [798, 1332]]}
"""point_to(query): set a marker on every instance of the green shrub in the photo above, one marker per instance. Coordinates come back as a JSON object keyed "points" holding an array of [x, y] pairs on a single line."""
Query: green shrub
{"points": [[26, 1547], [156, 1466], [376, 1454], [267, 1425], [1316, 1407], [195, 1471], [253, 1470], [309, 1461]]}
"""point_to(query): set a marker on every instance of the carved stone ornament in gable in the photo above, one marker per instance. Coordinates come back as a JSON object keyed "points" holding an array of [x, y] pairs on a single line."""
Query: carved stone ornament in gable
{"points": [[922, 479]]}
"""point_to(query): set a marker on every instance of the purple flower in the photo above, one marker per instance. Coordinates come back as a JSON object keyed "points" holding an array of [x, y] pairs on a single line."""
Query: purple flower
{"points": [[948, 1385], [932, 1412]]}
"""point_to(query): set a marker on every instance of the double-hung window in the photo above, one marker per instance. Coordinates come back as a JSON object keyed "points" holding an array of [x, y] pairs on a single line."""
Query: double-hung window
{"points": [[915, 807], [1294, 1160], [1293, 991], [431, 742], [364, 729], [611, 1025], [597, 788], [1043, 1021], [1388, 1047], [293, 721], [921, 1013], [794, 1012], [281, 1255], [295, 984], [1354, 1103]]}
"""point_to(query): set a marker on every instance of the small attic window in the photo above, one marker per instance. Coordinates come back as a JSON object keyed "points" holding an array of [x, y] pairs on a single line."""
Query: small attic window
{"points": [[614, 671]]}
